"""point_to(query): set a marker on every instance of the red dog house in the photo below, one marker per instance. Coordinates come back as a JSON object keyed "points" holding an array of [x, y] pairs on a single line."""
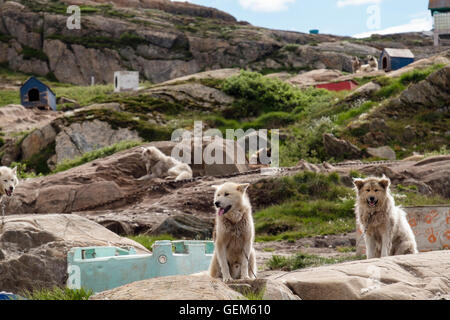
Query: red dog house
{"points": [[338, 86]]}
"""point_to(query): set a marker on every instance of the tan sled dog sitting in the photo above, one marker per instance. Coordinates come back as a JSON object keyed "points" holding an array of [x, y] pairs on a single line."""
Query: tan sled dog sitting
{"points": [[234, 256], [387, 230]]}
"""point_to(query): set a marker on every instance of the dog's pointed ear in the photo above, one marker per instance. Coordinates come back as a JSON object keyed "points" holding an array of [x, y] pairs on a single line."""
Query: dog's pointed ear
{"points": [[243, 187], [385, 182], [359, 183], [14, 170]]}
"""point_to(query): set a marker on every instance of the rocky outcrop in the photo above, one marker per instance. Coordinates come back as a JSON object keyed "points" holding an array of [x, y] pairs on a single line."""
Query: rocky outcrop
{"points": [[34, 248], [78, 138], [325, 55], [422, 276], [367, 90], [181, 8], [430, 92], [265, 288], [339, 148], [193, 94], [37, 140], [430, 176], [186, 227], [109, 182], [195, 287], [16, 118], [415, 119], [160, 45], [382, 153], [314, 77]]}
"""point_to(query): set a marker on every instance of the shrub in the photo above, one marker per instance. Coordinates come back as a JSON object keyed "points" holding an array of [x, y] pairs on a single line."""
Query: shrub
{"points": [[257, 94], [306, 142], [29, 53]]}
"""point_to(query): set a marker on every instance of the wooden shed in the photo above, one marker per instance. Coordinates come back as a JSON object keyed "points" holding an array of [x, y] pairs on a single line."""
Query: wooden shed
{"points": [[339, 86], [394, 59], [35, 94]]}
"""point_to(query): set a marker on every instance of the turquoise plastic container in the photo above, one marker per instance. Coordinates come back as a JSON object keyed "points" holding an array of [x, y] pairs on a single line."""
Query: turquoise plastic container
{"points": [[105, 268]]}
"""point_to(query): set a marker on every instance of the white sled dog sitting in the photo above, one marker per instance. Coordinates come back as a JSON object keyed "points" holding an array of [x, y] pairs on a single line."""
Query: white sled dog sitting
{"points": [[388, 232], [234, 256], [8, 181], [159, 165]]}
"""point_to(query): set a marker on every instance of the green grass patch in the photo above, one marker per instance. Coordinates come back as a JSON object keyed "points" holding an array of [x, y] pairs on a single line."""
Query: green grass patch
{"points": [[392, 89], [418, 75], [127, 39], [344, 117], [410, 196], [345, 249], [256, 296], [306, 205], [85, 95], [58, 293], [96, 154], [295, 220], [393, 86], [9, 97], [5, 37], [29, 53], [147, 240], [302, 261]]}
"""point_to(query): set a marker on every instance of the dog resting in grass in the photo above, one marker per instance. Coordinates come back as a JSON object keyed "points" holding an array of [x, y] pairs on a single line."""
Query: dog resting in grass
{"points": [[159, 165], [234, 256], [8, 181], [388, 232]]}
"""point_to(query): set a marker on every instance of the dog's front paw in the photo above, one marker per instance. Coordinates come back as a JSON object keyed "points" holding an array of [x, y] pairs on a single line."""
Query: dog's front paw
{"points": [[246, 277], [227, 279]]}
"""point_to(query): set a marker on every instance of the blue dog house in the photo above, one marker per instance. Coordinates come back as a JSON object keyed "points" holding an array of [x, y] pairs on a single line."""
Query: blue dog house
{"points": [[35, 94], [394, 59]]}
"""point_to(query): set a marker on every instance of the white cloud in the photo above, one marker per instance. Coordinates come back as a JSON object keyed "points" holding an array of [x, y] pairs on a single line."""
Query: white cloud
{"points": [[344, 3], [266, 5], [419, 22]]}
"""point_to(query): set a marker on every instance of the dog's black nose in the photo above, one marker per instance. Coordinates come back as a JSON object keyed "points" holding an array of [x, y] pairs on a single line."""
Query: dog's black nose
{"points": [[372, 199], [11, 188], [217, 204]]}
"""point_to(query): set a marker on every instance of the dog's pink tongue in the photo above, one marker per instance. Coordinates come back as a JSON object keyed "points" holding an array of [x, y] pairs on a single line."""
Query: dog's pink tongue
{"points": [[221, 211]]}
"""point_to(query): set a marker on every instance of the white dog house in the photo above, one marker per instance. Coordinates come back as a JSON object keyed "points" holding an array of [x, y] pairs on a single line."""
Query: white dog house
{"points": [[126, 81]]}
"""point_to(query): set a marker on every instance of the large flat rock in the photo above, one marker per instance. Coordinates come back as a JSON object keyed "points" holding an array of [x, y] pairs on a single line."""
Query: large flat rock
{"points": [[409, 277], [33, 248], [195, 287]]}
